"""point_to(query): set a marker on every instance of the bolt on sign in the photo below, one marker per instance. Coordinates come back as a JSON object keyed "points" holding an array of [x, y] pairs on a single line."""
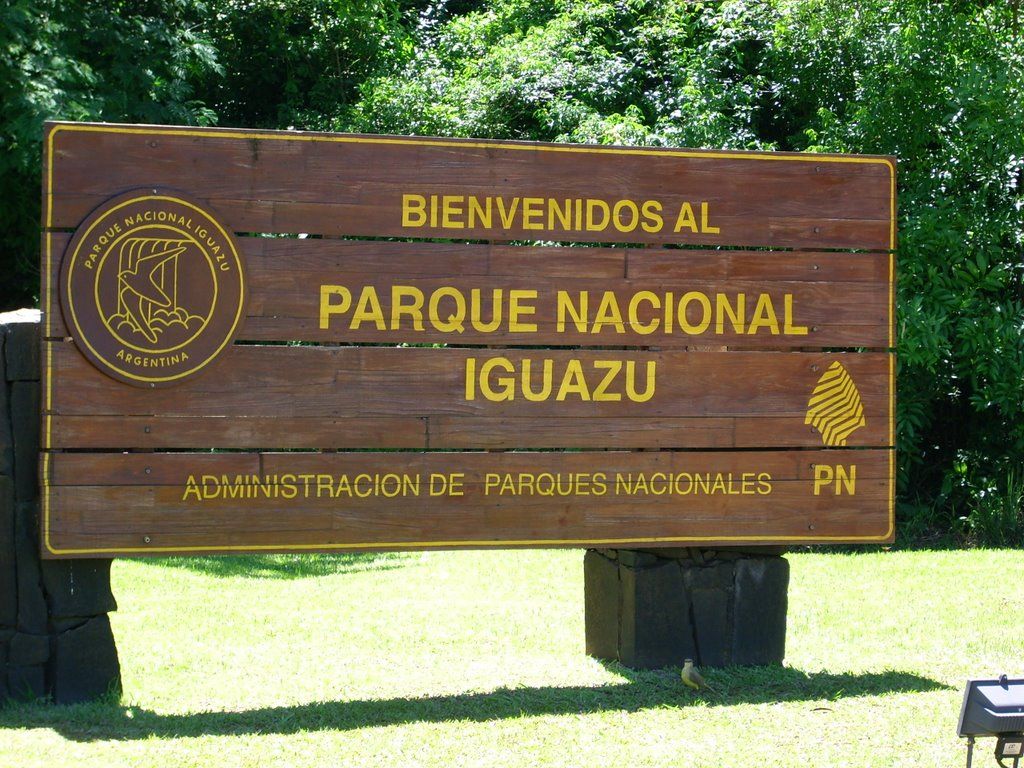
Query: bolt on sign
{"points": [[283, 341]]}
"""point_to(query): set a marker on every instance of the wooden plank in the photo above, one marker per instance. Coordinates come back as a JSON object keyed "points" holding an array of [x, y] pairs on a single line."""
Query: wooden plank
{"points": [[642, 312], [811, 266], [353, 185], [172, 469], [102, 504], [436, 432], [274, 255], [198, 432], [840, 299], [455, 432], [372, 382]]}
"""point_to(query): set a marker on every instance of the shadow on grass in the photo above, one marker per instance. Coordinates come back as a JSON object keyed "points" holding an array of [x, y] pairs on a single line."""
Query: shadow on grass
{"points": [[640, 691], [285, 566]]}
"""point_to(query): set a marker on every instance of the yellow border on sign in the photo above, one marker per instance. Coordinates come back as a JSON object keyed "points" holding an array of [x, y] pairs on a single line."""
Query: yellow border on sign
{"points": [[396, 140]]}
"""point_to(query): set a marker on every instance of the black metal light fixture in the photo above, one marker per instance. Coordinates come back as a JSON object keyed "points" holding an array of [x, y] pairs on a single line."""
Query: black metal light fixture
{"points": [[994, 708]]}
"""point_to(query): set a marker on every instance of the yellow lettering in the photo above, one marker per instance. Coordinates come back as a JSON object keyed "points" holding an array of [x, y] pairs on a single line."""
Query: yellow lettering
{"points": [[608, 313], [507, 215], [565, 306], [498, 379], [823, 475], [328, 308], [547, 378], [451, 208], [399, 307], [475, 302], [787, 313], [515, 309], [705, 225], [437, 484], [363, 486], [191, 486], [634, 312], [456, 320], [686, 219], [597, 205], [684, 321], [723, 309], [846, 479], [533, 211], [457, 484], [471, 378], [652, 222], [414, 211], [631, 390], [601, 393], [477, 212], [506, 384], [764, 316], [573, 382], [324, 486], [368, 310], [555, 212], [634, 215]]}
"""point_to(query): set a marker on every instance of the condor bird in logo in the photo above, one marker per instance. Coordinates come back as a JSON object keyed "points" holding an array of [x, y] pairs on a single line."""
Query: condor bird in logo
{"points": [[147, 297], [835, 409]]}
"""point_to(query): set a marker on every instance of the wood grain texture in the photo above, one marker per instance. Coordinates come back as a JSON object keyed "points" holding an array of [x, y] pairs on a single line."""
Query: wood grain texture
{"points": [[436, 432], [707, 459], [826, 314], [352, 185], [147, 504], [841, 299], [373, 382]]}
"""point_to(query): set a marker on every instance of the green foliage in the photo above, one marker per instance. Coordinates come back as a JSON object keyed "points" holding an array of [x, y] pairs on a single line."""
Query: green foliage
{"points": [[995, 514], [296, 63], [636, 72], [115, 61]]}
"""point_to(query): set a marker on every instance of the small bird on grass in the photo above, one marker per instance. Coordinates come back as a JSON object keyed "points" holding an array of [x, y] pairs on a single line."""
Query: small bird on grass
{"points": [[691, 677]]}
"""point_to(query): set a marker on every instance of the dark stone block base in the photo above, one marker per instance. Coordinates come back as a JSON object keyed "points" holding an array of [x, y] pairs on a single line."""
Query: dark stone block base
{"points": [[84, 663], [652, 609], [55, 637], [77, 588]]}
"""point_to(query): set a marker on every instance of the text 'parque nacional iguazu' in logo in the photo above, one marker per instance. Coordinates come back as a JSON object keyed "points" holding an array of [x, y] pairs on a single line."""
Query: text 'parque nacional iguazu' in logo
{"points": [[152, 287]]}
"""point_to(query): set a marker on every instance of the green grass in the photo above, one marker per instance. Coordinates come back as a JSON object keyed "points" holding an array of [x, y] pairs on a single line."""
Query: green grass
{"points": [[465, 659]]}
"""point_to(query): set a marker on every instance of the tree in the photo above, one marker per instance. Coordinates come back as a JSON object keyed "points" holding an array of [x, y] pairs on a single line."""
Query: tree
{"points": [[297, 63], [115, 61]]}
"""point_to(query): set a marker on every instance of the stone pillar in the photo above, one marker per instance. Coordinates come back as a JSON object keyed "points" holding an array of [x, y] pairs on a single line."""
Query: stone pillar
{"points": [[648, 609], [55, 637]]}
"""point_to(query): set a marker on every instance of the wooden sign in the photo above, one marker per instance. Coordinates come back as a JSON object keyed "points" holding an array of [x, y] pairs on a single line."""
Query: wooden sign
{"points": [[281, 341]]}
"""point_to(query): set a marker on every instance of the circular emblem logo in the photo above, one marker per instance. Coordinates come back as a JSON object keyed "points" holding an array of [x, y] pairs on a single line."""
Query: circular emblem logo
{"points": [[152, 287]]}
